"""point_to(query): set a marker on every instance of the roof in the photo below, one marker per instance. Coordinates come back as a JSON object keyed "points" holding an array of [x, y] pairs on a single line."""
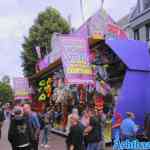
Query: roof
{"points": [[42, 72], [123, 21], [134, 54], [136, 12]]}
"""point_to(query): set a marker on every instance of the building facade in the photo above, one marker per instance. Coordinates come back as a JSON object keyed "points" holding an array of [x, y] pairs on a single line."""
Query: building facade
{"points": [[137, 23]]}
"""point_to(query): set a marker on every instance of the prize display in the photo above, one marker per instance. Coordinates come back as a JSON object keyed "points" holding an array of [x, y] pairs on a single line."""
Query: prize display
{"points": [[44, 89]]}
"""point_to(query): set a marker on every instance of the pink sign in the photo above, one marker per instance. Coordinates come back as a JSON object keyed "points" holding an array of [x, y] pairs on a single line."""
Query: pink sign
{"points": [[75, 59], [21, 87]]}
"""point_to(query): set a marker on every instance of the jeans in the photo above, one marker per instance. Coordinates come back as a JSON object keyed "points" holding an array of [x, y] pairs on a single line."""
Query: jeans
{"points": [[93, 146], [45, 135]]}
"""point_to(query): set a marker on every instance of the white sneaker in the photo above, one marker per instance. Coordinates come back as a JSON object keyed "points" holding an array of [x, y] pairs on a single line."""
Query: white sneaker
{"points": [[42, 145], [46, 146]]}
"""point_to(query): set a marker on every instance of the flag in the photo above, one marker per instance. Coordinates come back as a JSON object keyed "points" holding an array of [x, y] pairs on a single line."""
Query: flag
{"points": [[38, 51]]}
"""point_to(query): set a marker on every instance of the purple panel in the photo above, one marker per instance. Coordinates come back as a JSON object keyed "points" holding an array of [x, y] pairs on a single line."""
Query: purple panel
{"points": [[82, 31], [134, 96], [133, 53]]}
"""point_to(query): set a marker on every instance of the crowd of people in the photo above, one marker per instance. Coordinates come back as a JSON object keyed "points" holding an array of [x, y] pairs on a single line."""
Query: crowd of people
{"points": [[86, 131]]}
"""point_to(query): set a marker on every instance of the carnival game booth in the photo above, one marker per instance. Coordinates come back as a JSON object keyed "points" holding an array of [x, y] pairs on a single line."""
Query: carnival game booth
{"points": [[97, 57], [69, 75], [21, 90], [61, 84]]}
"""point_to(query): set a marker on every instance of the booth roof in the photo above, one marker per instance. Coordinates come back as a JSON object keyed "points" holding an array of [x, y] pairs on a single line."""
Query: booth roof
{"points": [[46, 70], [134, 54]]}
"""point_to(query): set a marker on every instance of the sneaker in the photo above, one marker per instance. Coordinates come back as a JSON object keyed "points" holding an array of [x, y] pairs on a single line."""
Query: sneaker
{"points": [[46, 146], [42, 145]]}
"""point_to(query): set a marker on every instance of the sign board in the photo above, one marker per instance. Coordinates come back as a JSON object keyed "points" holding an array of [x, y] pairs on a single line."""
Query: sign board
{"points": [[101, 23], [21, 88], [52, 56], [75, 59]]}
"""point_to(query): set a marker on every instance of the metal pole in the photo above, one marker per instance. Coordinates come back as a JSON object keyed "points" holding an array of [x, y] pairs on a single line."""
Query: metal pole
{"points": [[102, 4], [82, 10]]}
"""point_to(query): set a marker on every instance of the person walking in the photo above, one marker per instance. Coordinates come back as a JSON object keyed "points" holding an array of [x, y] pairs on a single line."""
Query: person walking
{"points": [[128, 127], [34, 125], [116, 122], [19, 134], [2, 118], [46, 123], [75, 140], [93, 132]]}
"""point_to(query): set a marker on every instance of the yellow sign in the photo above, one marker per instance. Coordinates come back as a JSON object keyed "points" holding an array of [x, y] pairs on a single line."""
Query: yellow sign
{"points": [[85, 70]]}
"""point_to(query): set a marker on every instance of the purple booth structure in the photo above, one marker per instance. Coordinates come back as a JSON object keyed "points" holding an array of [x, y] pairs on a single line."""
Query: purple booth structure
{"points": [[135, 91]]}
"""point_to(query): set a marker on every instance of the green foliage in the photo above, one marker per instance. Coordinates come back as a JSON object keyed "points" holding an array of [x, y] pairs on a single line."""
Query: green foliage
{"points": [[6, 92], [40, 34]]}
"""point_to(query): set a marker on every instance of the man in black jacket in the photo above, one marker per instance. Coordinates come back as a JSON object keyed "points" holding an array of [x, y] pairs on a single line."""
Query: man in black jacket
{"points": [[20, 134], [75, 137]]}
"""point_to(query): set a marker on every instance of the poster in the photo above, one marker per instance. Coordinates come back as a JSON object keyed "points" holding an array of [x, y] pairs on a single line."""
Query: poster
{"points": [[21, 88], [75, 59]]}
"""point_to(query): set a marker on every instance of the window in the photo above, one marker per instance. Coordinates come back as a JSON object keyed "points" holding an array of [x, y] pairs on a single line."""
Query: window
{"points": [[136, 34], [146, 4], [148, 32]]}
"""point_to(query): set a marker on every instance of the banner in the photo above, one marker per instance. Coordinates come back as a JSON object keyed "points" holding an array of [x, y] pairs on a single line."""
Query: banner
{"points": [[75, 59], [54, 55], [21, 88]]}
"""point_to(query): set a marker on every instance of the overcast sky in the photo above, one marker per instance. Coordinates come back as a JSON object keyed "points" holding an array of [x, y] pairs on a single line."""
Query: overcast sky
{"points": [[16, 16]]}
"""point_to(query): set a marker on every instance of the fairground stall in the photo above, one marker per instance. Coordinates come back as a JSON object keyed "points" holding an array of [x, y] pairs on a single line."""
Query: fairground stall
{"points": [[91, 67], [21, 90]]}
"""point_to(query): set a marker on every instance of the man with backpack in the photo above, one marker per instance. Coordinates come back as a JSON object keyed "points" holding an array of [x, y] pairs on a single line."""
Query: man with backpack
{"points": [[20, 134]]}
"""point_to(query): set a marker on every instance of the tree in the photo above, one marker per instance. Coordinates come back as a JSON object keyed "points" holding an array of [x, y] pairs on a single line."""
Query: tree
{"points": [[40, 34], [6, 92], [6, 79]]}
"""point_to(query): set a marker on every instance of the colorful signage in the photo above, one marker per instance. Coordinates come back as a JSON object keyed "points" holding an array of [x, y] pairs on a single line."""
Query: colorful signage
{"points": [[21, 88], [75, 59], [44, 89], [101, 23]]}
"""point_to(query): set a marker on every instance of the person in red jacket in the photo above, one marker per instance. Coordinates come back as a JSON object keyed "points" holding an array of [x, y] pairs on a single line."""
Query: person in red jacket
{"points": [[116, 123]]}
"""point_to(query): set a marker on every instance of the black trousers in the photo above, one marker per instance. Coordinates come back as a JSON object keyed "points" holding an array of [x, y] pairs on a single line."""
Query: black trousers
{"points": [[35, 145]]}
